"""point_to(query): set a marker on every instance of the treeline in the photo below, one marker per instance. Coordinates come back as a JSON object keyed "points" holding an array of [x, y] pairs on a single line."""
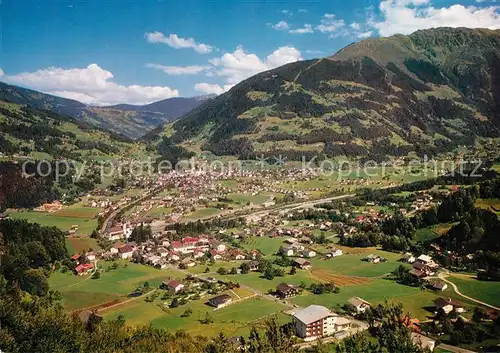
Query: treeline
{"points": [[200, 226], [27, 252], [18, 191]]}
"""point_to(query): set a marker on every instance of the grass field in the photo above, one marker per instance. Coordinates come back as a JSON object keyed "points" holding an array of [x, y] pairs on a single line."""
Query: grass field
{"points": [[235, 319], [352, 264], [157, 211], [77, 245], [85, 226], [202, 213], [266, 245], [414, 300], [81, 292], [486, 291]]}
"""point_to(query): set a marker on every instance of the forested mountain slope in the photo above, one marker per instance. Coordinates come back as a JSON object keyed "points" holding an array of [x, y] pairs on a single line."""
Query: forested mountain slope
{"points": [[130, 120], [425, 93]]}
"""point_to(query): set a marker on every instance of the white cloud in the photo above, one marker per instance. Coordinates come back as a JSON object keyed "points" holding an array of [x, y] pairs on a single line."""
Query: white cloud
{"points": [[208, 88], [407, 16], [302, 10], [239, 65], [179, 70], [329, 24], [2, 73], [281, 25], [287, 12], [174, 41], [306, 29], [90, 85], [356, 26], [364, 35]]}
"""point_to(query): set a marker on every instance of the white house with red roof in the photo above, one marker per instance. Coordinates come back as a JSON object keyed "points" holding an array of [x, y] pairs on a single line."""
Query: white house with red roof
{"points": [[126, 251], [173, 285]]}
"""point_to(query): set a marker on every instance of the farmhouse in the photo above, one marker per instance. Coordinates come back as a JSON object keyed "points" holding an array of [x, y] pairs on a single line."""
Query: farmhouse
{"points": [[285, 290], [437, 285], [172, 285], [287, 250], [316, 321], [425, 264], [448, 305], [374, 259], [236, 254], [220, 301], [359, 304], [126, 251], [408, 258], [83, 269], [302, 263]]}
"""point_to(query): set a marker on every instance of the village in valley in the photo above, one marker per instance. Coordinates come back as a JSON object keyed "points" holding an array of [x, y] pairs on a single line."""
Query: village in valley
{"points": [[201, 250]]}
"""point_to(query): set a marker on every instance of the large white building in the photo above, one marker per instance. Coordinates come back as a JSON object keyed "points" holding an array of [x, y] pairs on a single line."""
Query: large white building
{"points": [[316, 321]]}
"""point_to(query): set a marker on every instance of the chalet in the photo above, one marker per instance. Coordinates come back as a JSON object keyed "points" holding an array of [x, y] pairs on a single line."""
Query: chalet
{"points": [[253, 265], [126, 251], [254, 254], [374, 259], [359, 304], [236, 254], [172, 285], [309, 253], [287, 250], [220, 301], [408, 258], [448, 305], [425, 264], [214, 254], [197, 253], [285, 290], [437, 285], [173, 256], [218, 246], [188, 262], [417, 273], [114, 248], [90, 256], [302, 263], [83, 269]]}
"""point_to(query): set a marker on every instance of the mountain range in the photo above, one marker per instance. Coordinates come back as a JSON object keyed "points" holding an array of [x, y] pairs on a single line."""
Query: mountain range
{"points": [[129, 120], [424, 93]]}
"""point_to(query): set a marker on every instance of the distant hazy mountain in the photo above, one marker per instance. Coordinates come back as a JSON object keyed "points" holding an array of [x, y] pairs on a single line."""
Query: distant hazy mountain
{"points": [[424, 93], [130, 120]]}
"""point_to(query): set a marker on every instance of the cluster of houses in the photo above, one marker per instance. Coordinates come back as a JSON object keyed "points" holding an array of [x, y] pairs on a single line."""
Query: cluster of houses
{"points": [[185, 252], [83, 263], [295, 248], [422, 267]]}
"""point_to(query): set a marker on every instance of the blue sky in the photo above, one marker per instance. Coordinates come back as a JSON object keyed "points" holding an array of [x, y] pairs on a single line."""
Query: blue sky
{"points": [[107, 52]]}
